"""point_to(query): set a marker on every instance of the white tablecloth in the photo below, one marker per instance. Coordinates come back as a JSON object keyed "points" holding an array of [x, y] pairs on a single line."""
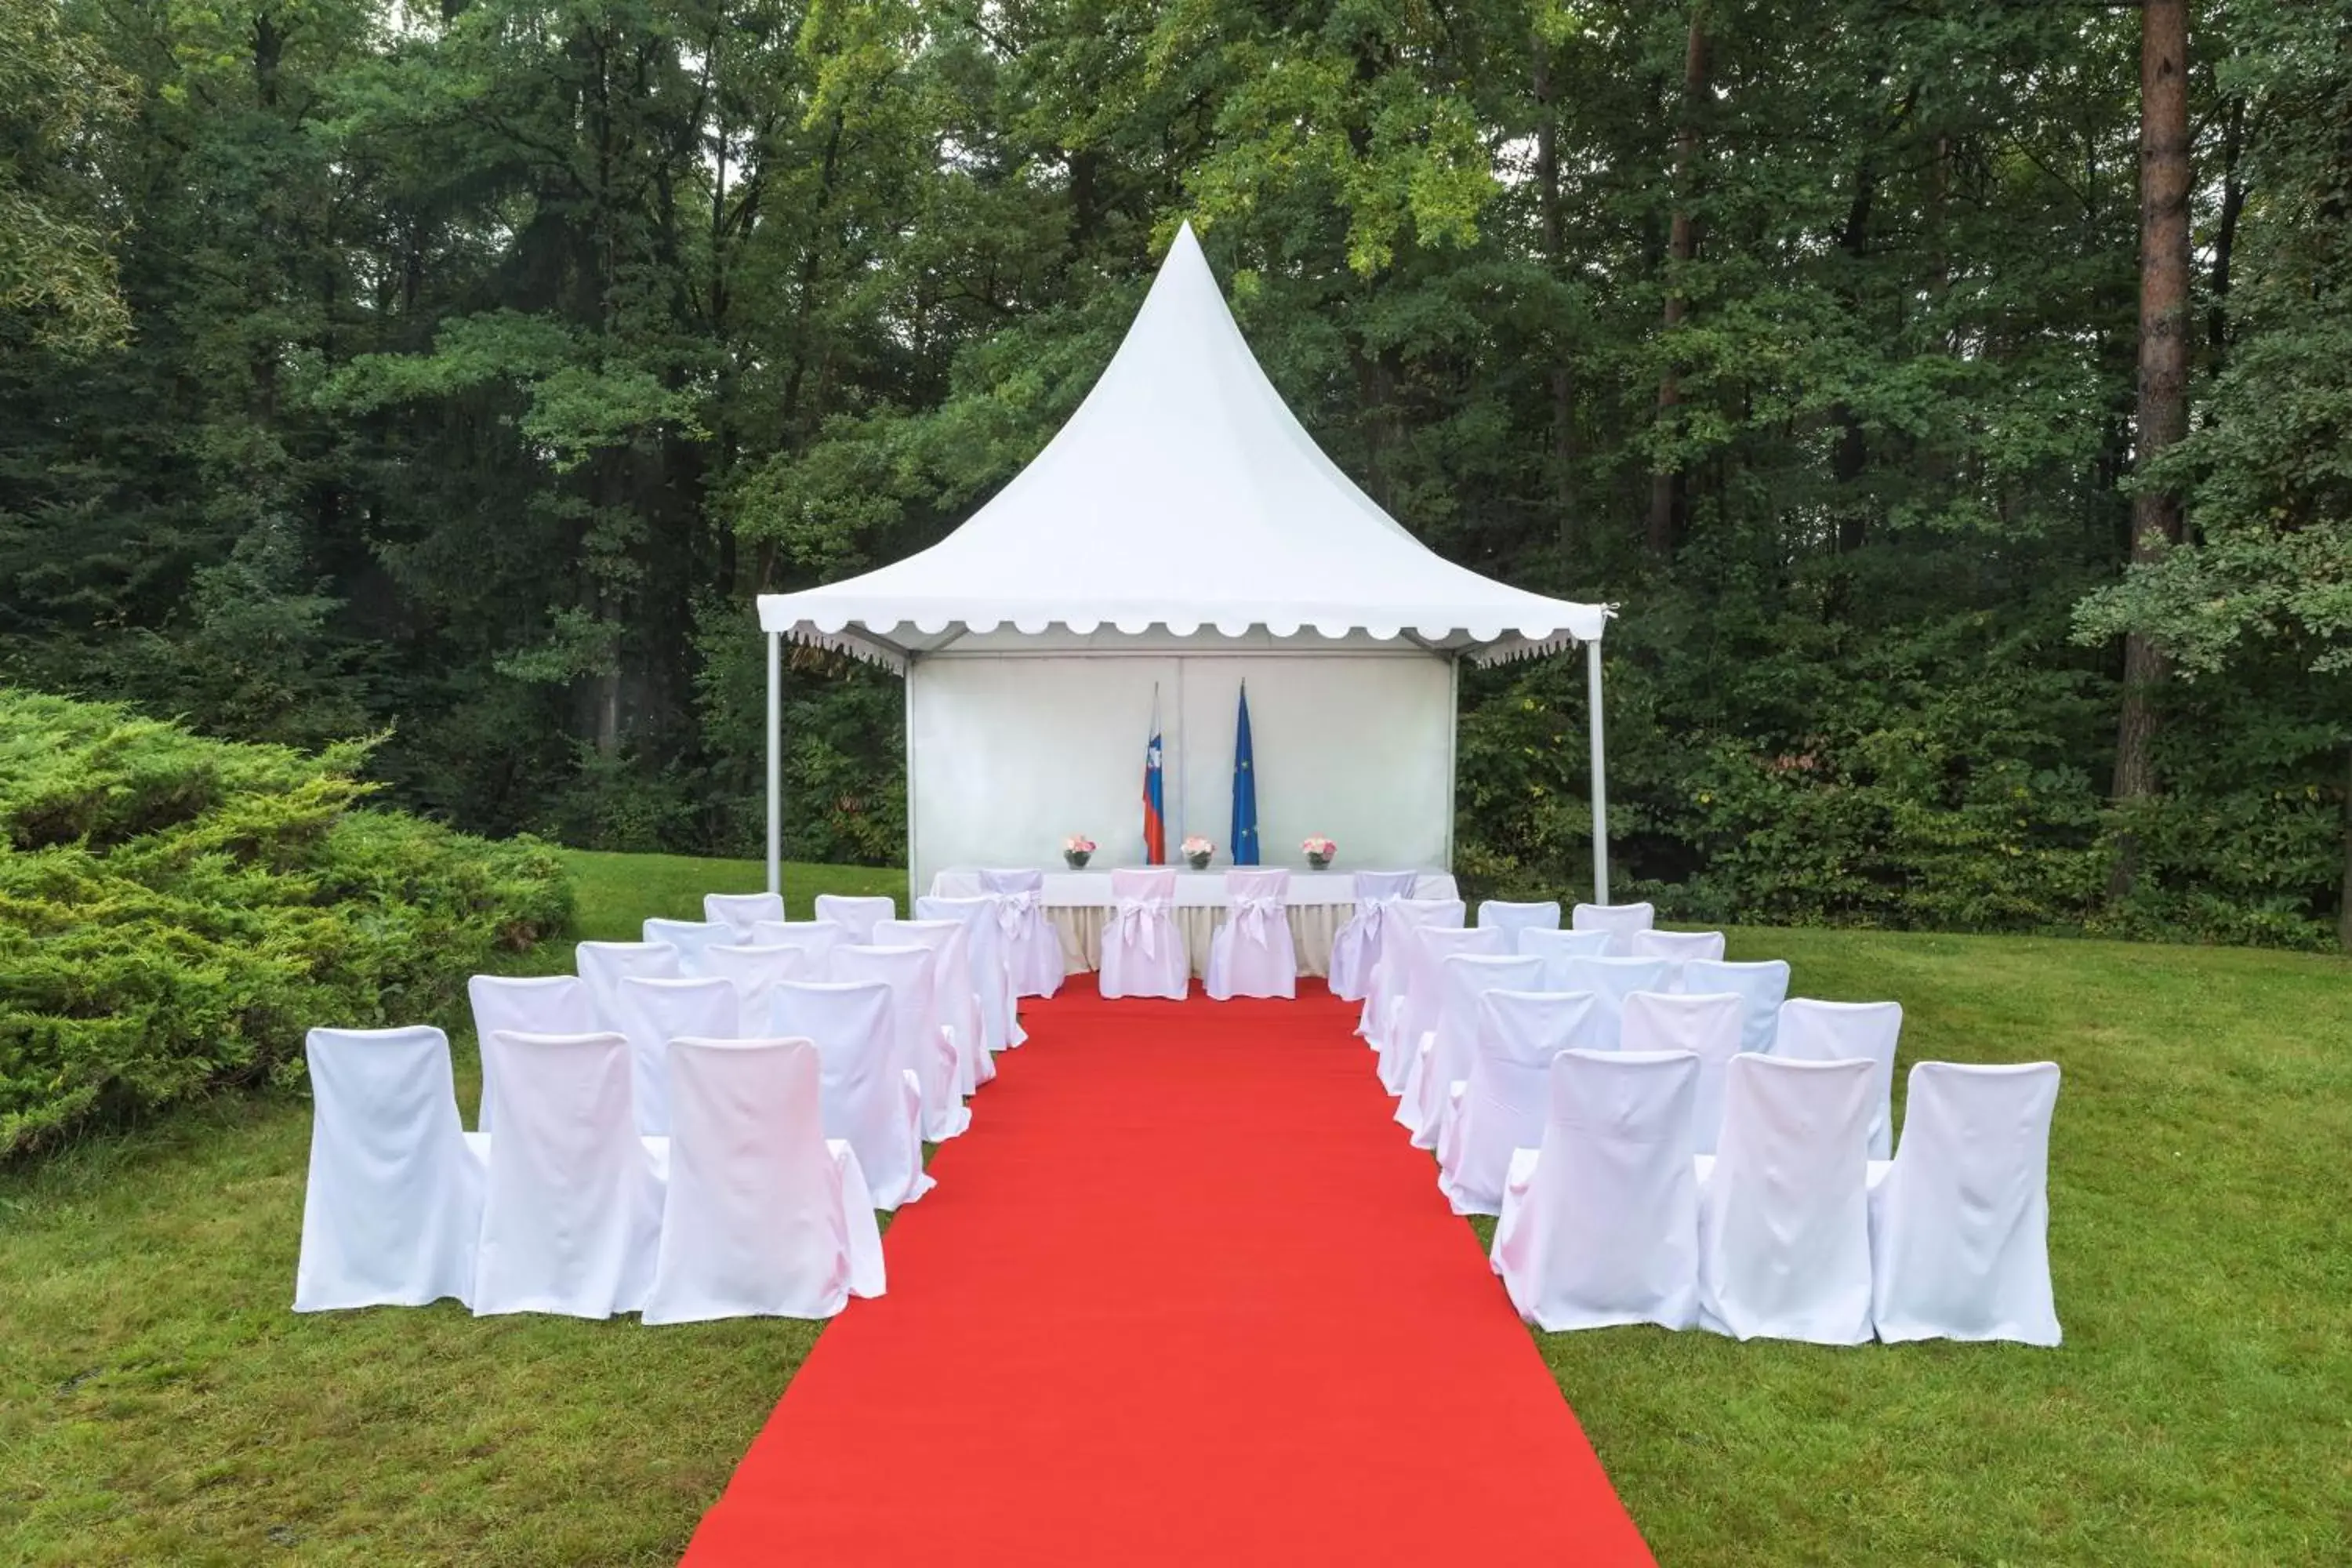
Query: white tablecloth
{"points": [[1079, 903]]}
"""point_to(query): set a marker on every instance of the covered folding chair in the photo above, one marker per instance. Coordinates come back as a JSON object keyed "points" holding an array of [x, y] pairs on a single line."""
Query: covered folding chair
{"points": [[814, 939], [1142, 951], [1419, 956], [856, 914], [1620, 921], [763, 1217], [984, 956], [1384, 986], [691, 938], [1761, 987], [1812, 1031], [742, 910], [923, 1047], [1356, 945], [1600, 1222], [393, 1204], [1783, 1212], [1710, 1027], [601, 966], [1252, 953], [868, 1098], [655, 1012], [1677, 947], [755, 973], [1553, 946], [1501, 1106], [1960, 1222], [1033, 948], [573, 1212], [530, 1005], [955, 1003], [1503, 915], [1611, 981], [1443, 1058]]}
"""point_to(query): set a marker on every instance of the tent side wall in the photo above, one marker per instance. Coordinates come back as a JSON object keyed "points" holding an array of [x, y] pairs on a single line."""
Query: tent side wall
{"points": [[1008, 753]]}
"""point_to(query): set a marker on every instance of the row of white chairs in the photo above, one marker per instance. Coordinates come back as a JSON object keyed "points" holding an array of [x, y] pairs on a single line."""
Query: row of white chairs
{"points": [[897, 1020], [1789, 1231], [746, 1208], [1472, 1024]]}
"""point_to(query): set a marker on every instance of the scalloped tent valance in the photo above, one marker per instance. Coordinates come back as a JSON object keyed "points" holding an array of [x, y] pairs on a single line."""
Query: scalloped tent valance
{"points": [[1183, 496]]}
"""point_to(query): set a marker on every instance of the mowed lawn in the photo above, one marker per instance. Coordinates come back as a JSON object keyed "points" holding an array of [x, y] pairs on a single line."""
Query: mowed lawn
{"points": [[158, 1403]]}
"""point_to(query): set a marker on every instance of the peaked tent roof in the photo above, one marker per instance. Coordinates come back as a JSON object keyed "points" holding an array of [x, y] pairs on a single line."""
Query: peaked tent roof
{"points": [[1183, 494]]}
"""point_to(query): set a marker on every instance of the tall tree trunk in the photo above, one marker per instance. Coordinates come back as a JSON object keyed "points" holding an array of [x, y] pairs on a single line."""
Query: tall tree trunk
{"points": [[1681, 243], [2163, 358]]}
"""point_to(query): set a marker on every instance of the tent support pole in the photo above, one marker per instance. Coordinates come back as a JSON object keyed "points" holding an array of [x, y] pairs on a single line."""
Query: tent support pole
{"points": [[776, 764], [1600, 775]]}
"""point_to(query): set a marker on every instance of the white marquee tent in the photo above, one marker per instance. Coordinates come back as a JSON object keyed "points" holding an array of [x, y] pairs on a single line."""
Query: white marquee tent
{"points": [[1180, 534]]}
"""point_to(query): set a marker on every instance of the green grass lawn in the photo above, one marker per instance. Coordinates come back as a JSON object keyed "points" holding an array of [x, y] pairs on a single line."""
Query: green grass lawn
{"points": [[159, 1403]]}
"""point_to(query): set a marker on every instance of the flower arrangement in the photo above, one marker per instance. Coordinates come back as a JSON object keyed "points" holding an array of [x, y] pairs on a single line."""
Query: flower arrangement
{"points": [[1198, 849], [1076, 848], [1319, 851]]}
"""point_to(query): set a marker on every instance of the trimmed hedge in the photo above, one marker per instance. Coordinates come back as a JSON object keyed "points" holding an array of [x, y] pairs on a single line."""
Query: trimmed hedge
{"points": [[176, 912]]}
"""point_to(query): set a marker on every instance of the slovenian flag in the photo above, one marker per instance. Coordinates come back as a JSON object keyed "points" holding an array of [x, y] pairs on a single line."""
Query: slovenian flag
{"points": [[1155, 814]]}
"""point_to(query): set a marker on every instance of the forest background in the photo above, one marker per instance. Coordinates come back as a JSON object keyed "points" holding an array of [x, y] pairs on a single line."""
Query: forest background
{"points": [[1958, 397]]}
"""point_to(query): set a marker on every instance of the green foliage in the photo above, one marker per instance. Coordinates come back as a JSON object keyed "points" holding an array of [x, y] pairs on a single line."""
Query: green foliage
{"points": [[488, 358], [176, 911]]}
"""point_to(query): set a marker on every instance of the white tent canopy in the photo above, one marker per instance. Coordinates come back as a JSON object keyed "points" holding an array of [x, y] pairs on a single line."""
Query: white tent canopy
{"points": [[1182, 507]]}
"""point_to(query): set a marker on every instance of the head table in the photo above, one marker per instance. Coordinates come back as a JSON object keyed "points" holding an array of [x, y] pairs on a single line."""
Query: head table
{"points": [[1078, 904]]}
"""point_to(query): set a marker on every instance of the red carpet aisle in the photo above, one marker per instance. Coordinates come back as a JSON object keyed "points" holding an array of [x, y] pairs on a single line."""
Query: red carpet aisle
{"points": [[1183, 1296]]}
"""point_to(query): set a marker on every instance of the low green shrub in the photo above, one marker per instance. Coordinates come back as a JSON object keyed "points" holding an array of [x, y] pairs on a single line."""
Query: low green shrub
{"points": [[176, 911]]}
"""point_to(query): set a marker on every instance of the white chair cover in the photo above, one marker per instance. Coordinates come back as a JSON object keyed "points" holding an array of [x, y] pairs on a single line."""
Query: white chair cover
{"points": [[1142, 951], [1761, 987], [1252, 953], [530, 1004], [1620, 921], [1677, 947], [1033, 948], [690, 938], [763, 1217], [1384, 986], [755, 973], [1710, 1027], [955, 1006], [1600, 1222], [1783, 1214], [1812, 1031], [1960, 1223], [1552, 946], [814, 938], [1451, 1043], [653, 1013], [573, 1212], [1416, 954], [924, 1048], [601, 965], [1501, 1106], [1515, 917], [866, 1098], [985, 957], [1611, 981], [742, 910], [1356, 945], [856, 914], [394, 1204]]}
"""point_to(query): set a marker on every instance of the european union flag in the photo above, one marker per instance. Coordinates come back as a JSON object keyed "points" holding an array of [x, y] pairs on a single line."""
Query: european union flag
{"points": [[1245, 838]]}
